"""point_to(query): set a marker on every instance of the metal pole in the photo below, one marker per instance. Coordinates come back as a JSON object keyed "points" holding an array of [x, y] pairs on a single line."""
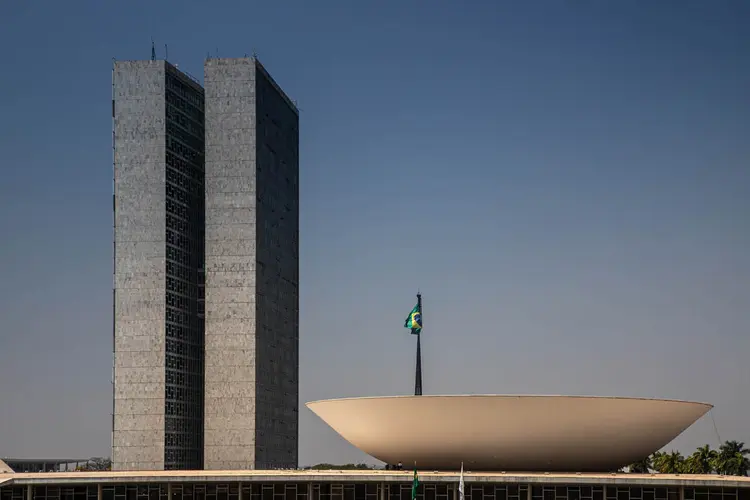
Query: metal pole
{"points": [[418, 378]]}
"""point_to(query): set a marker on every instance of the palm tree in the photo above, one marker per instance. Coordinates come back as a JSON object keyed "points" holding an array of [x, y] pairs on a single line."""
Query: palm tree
{"points": [[656, 457], [642, 466], [668, 463], [702, 461], [732, 459]]}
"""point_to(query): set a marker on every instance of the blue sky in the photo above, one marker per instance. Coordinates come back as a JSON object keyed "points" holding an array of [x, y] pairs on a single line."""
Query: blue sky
{"points": [[568, 183]]}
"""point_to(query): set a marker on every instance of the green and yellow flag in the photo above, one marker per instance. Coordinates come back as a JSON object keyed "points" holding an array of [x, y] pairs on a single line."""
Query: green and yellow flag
{"points": [[414, 320], [414, 484]]}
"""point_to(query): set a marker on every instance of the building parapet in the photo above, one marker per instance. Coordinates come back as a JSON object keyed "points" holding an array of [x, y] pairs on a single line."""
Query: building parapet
{"points": [[348, 476]]}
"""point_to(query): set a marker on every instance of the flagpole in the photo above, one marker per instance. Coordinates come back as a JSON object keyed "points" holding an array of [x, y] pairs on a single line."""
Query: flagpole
{"points": [[418, 377], [461, 484]]}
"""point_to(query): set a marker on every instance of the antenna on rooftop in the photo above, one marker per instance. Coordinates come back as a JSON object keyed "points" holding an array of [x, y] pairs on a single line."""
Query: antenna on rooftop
{"points": [[166, 52], [153, 50]]}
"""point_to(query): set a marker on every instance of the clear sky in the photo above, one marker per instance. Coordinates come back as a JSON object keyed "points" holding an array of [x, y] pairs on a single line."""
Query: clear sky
{"points": [[568, 183]]}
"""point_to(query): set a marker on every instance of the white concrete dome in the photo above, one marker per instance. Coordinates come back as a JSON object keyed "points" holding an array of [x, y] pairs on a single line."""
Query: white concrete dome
{"points": [[510, 433]]}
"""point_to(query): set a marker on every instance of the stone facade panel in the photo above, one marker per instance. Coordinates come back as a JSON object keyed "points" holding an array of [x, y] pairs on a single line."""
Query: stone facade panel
{"points": [[216, 457], [231, 437], [230, 169], [231, 177], [131, 377], [232, 409], [220, 245], [232, 200], [133, 422], [139, 203], [139, 437], [144, 390], [221, 311], [134, 406], [230, 264]]}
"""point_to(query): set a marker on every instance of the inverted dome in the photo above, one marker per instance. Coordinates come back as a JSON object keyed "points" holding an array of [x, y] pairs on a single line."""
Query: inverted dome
{"points": [[510, 433]]}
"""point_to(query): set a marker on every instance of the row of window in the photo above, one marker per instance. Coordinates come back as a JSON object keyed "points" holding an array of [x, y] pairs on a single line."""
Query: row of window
{"points": [[182, 257], [191, 350], [186, 244], [180, 240], [191, 94], [710, 493], [182, 333], [181, 425], [179, 149], [184, 303], [177, 459], [625, 493], [183, 318], [358, 491], [52, 493], [185, 364], [184, 106], [189, 140], [181, 119], [178, 209], [187, 273], [185, 288], [184, 167], [174, 408], [184, 358], [182, 431], [183, 181], [183, 440], [180, 195], [183, 394], [180, 378]]}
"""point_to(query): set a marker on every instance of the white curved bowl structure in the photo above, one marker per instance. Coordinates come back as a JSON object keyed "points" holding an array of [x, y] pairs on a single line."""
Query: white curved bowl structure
{"points": [[509, 433]]}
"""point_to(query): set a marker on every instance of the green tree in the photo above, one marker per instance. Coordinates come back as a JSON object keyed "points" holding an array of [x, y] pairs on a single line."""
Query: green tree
{"points": [[732, 459], [656, 457], [642, 466], [668, 463], [325, 466], [702, 461]]}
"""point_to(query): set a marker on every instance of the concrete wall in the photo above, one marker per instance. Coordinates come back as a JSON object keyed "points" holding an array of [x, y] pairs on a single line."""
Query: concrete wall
{"points": [[139, 279], [230, 376], [277, 322]]}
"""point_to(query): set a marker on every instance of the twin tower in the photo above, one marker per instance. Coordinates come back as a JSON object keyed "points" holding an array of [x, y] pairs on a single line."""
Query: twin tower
{"points": [[206, 268]]}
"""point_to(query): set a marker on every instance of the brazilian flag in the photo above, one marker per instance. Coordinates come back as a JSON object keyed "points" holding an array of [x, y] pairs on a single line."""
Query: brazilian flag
{"points": [[414, 320], [414, 484]]}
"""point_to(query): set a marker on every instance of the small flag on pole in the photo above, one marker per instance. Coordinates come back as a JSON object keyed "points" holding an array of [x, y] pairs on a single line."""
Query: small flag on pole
{"points": [[415, 484], [461, 484], [414, 320]]}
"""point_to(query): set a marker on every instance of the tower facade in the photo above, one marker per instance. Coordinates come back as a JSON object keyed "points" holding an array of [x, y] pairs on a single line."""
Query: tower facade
{"points": [[206, 239], [252, 268], [158, 267]]}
